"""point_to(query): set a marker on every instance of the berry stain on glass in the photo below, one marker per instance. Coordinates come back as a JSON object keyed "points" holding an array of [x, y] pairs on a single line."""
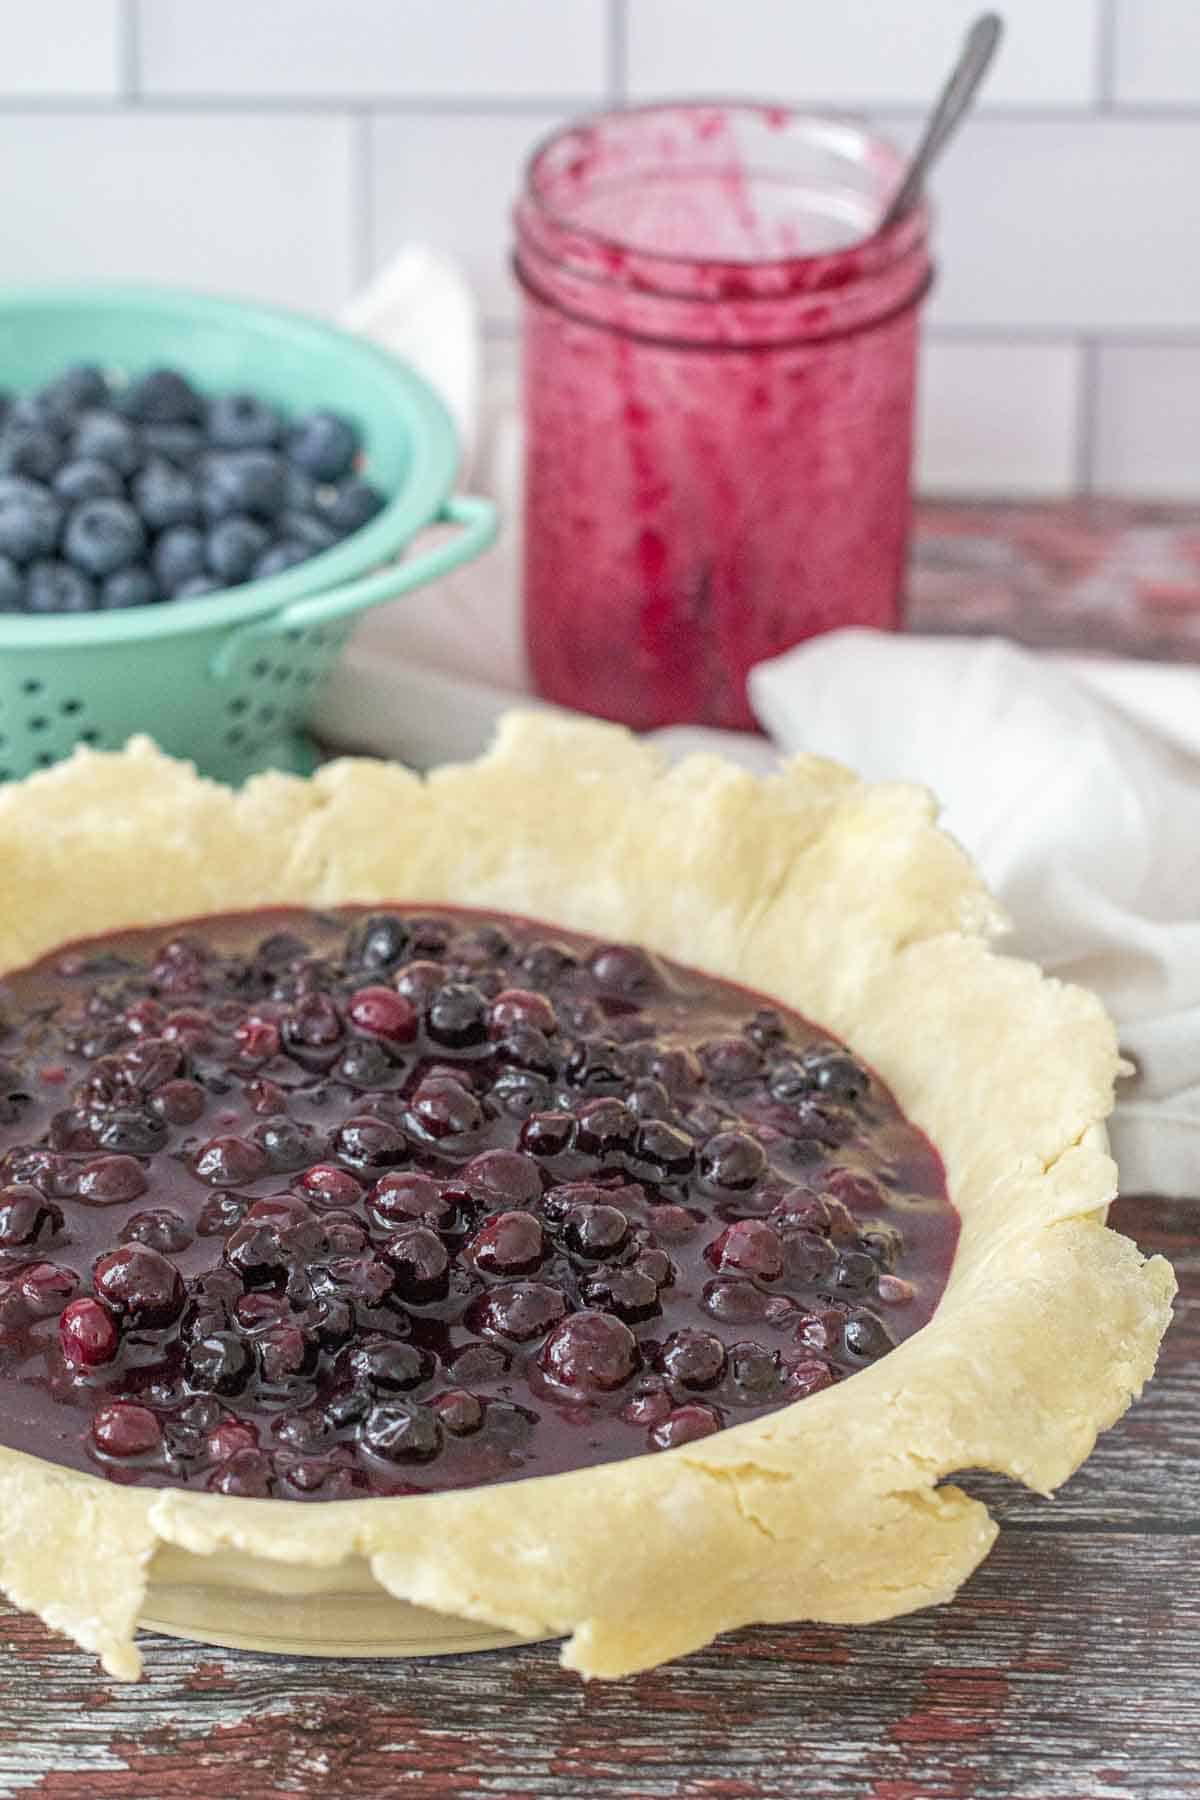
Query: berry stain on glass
{"points": [[118, 494], [720, 341]]}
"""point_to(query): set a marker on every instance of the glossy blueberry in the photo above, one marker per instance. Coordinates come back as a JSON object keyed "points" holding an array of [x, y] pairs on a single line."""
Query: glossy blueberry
{"points": [[141, 1285], [26, 1217], [30, 518], [87, 478], [733, 1160], [401, 1432], [162, 397], [134, 586], [324, 444], [457, 1016], [693, 1359], [178, 555], [866, 1337], [165, 495], [388, 1365], [103, 535], [109, 438], [234, 546], [378, 943], [241, 421], [590, 1352], [243, 481], [218, 1364], [352, 505], [839, 1077]]}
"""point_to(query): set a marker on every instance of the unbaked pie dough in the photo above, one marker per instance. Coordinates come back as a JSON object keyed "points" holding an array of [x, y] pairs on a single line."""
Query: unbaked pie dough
{"points": [[837, 902]]}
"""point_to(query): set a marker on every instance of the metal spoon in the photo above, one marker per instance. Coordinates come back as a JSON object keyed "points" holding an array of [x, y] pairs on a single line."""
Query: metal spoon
{"points": [[974, 59]]}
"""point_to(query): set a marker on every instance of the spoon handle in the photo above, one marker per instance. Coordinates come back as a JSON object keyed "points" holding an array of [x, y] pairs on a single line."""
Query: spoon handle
{"points": [[979, 47]]}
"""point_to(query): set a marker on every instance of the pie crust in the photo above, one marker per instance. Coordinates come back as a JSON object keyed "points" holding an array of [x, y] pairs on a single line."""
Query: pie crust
{"points": [[843, 901]]}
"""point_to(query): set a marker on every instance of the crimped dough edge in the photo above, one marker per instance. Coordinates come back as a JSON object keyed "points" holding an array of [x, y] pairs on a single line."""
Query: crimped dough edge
{"points": [[839, 899]]}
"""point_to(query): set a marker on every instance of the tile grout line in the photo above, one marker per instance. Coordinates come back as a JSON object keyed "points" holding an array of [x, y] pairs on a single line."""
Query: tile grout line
{"points": [[1087, 402], [534, 105], [129, 53], [1106, 56]]}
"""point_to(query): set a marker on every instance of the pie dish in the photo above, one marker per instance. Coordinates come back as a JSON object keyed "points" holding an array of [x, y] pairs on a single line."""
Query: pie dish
{"points": [[577, 1203]]}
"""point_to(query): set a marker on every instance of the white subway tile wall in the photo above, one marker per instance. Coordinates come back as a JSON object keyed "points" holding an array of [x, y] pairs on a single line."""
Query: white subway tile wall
{"points": [[998, 418], [61, 47], [867, 53], [1147, 439], [285, 151]]}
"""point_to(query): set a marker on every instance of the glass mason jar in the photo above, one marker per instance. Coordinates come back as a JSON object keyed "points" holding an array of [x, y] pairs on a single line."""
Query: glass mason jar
{"points": [[719, 367]]}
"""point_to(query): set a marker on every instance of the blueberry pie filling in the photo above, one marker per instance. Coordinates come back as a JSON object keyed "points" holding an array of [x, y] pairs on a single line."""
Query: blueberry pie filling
{"points": [[321, 1205]]}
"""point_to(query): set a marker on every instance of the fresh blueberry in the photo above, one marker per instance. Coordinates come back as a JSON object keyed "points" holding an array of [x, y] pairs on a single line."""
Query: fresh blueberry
{"points": [[243, 422], [30, 518], [29, 450], [351, 505], [103, 535], [134, 586], [243, 481], [86, 478], [324, 444], [306, 528], [29, 410], [12, 586], [234, 546], [165, 495], [77, 388], [180, 444], [301, 492], [108, 437], [163, 397], [279, 557], [56, 587], [177, 555], [195, 585]]}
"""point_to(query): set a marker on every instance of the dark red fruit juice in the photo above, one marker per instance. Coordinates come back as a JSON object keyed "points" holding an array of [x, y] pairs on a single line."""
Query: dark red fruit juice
{"points": [[719, 356]]}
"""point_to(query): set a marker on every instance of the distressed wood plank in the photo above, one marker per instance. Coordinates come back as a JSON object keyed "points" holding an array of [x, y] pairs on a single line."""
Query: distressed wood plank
{"points": [[1065, 1670]]}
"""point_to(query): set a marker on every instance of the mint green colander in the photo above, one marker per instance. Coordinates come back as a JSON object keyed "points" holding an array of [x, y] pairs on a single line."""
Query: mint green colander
{"points": [[228, 679]]}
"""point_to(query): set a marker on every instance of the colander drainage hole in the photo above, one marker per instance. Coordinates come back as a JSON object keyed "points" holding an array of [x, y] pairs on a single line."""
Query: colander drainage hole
{"points": [[260, 668], [89, 737], [69, 707], [266, 714], [238, 706], [43, 759], [282, 674], [235, 737], [31, 685], [38, 722]]}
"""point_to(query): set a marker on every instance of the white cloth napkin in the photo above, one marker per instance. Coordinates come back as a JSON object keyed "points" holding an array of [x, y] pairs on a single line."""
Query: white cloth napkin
{"points": [[1074, 782]]}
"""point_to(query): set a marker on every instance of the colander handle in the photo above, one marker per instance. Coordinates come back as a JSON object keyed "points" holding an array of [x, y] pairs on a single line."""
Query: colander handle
{"points": [[478, 520]]}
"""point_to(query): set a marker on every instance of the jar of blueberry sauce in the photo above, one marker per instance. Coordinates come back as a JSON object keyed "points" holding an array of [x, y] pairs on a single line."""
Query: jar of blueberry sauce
{"points": [[719, 366]]}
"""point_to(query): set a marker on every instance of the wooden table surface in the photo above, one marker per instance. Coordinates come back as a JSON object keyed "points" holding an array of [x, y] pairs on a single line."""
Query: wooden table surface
{"points": [[1068, 1668]]}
